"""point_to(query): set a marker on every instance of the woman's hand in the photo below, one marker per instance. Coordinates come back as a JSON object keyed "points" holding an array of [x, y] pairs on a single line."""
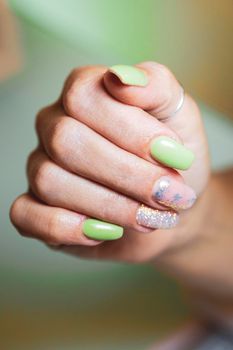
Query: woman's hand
{"points": [[107, 146]]}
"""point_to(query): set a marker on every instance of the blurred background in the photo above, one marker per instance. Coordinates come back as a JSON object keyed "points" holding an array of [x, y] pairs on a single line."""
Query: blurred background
{"points": [[49, 300]]}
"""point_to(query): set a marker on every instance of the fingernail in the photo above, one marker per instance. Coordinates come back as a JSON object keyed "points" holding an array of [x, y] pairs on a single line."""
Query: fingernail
{"points": [[171, 153], [101, 230], [154, 218], [130, 75], [172, 193]]}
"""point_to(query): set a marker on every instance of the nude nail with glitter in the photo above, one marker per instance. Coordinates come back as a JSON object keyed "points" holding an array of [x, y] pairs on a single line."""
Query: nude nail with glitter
{"points": [[156, 219], [173, 193]]}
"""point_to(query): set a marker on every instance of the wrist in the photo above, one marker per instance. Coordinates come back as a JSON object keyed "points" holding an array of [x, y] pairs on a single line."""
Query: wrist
{"points": [[202, 261]]}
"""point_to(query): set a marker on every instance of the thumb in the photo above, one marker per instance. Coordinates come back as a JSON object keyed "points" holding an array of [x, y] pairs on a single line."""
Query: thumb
{"points": [[153, 88], [149, 85]]}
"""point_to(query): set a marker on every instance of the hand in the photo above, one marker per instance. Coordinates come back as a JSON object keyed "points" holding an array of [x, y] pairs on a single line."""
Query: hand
{"points": [[102, 153]]}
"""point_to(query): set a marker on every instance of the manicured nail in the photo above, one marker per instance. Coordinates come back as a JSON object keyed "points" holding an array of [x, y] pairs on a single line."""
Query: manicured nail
{"points": [[130, 75], [154, 218], [101, 230], [171, 153], [173, 194]]}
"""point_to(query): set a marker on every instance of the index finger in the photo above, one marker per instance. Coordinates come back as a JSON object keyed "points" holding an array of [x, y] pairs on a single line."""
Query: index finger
{"points": [[131, 128]]}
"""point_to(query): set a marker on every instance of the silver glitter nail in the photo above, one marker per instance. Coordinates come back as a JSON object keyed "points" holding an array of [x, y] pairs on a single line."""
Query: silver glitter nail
{"points": [[154, 218]]}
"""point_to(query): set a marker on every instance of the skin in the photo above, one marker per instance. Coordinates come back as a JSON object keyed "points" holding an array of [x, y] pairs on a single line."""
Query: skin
{"points": [[93, 160]]}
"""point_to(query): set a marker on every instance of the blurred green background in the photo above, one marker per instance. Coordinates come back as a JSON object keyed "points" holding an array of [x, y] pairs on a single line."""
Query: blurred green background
{"points": [[49, 300]]}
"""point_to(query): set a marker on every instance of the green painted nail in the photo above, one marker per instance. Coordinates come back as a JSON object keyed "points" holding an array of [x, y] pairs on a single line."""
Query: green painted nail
{"points": [[171, 153], [101, 230], [130, 75]]}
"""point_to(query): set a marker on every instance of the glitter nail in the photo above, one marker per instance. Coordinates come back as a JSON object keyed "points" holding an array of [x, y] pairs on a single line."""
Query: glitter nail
{"points": [[154, 218], [173, 193]]}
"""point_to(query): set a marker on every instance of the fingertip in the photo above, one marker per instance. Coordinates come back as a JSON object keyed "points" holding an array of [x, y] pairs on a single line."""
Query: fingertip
{"points": [[130, 75], [101, 230], [125, 89], [112, 81], [129, 84]]}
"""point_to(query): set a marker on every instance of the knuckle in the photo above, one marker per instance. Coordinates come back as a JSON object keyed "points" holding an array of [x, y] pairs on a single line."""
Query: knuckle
{"points": [[42, 178], [15, 211], [40, 118], [75, 95], [59, 138], [75, 99], [32, 158], [70, 99], [17, 214]]}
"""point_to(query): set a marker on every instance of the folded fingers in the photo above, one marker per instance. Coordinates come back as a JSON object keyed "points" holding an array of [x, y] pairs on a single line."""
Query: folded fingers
{"points": [[57, 187], [80, 150]]}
